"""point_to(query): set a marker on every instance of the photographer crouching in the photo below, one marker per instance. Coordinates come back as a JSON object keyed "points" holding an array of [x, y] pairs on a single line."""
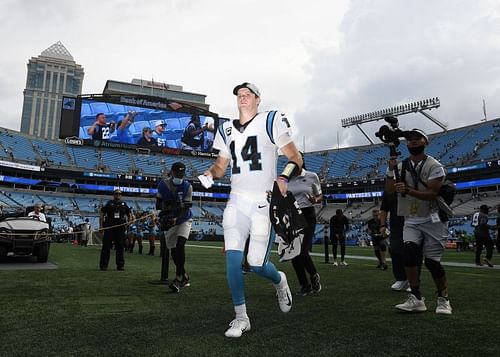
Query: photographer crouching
{"points": [[425, 227], [174, 200]]}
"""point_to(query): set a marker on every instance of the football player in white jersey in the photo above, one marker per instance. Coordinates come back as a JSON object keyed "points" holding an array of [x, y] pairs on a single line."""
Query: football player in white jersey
{"points": [[250, 144]]}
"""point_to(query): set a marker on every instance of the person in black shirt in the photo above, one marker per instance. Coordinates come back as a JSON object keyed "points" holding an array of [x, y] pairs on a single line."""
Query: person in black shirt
{"points": [[396, 244], [147, 139], [193, 134], [113, 218], [338, 225], [101, 130], [378, 239], [482, 235]]}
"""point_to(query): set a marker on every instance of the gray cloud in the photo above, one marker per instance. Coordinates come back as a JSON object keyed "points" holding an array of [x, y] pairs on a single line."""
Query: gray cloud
{"points": [[395, 52], [317, 63]]}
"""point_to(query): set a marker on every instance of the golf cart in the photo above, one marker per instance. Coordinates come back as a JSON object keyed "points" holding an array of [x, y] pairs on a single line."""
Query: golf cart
{"points": [[23, 235]]}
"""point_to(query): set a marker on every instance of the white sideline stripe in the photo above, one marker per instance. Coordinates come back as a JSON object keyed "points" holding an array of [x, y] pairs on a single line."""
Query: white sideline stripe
{"points": [[450, 264]]}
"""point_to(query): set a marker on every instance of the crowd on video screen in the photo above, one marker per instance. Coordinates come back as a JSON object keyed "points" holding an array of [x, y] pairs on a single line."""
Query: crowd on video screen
{"points": [[146, 127]]}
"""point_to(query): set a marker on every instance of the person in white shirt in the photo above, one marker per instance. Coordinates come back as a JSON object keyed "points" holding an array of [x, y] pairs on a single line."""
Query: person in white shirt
{"points": [[250, 146], [37, 213]]}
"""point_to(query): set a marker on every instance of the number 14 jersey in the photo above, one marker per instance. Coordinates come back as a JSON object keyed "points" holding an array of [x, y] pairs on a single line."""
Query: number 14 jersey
{"points": [[253, 150]]}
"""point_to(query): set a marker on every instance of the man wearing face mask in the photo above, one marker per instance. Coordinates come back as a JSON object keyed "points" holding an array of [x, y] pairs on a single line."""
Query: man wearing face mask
{"points": [[424, 228], [174, 200]]}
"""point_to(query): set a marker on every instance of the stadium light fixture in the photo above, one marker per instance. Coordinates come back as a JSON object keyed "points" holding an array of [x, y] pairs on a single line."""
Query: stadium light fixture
{"points": [[415, 107]]}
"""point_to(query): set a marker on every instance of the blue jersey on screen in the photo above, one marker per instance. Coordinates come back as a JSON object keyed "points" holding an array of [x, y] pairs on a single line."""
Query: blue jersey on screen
{"points": [[124, 136]]}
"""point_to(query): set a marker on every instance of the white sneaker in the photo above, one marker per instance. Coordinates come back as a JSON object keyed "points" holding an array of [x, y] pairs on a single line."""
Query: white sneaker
{"points": [[237, 327], [400, 285], [344, 263], [443, 306], [412, 304], [284, 294]]}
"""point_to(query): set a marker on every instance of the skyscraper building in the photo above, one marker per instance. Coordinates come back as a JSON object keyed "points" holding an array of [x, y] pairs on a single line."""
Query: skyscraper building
{"points": [[50, 76]]}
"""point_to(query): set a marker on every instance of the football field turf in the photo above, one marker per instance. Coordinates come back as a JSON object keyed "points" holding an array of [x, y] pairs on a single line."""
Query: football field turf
{"points": [[77, 310]]}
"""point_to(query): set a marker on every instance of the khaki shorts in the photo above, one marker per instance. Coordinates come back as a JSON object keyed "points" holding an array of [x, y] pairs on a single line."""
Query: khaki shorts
{"points": [[431, 236]]}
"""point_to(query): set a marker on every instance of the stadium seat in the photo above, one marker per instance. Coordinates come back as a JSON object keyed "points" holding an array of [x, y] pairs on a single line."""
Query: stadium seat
{"points": [[85, 132], [98, 107], [172, 144], [117, 109], [184, 122]]}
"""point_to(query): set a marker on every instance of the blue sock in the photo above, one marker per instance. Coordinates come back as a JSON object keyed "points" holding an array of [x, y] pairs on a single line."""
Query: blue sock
{"points": [[235, 276], [268, 271]]}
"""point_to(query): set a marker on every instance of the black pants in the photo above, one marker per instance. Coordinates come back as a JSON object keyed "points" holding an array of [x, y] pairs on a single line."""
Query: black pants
{"points": [[116, 236], [486, 242], [396, 250], [303, 262], [179, 256], [336, 239]]}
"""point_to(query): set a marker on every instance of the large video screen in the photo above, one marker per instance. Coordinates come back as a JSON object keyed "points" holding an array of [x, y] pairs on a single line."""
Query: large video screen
{"points": [[150, 123]]}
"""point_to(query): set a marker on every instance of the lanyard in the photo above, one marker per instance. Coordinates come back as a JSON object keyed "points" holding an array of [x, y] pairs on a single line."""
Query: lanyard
{"points": [[414, 173]]}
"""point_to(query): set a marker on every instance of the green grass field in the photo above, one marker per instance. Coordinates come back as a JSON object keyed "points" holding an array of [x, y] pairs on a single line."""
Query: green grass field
{"points": [[78, 310]]}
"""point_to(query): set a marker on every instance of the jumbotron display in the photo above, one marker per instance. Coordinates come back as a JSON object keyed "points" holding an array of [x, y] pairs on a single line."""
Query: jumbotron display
{"points": [[130, 122]]}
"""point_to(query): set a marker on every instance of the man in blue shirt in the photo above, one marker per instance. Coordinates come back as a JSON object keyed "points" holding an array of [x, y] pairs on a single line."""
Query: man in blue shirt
{"points": [[174, 200], [123, 134], [159, 132]]}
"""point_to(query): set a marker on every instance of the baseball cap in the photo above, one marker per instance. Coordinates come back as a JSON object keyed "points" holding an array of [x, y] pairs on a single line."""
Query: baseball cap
{"points": [[418, 131], [117, 191], [252, 87], [159, 122], [178, 167]]}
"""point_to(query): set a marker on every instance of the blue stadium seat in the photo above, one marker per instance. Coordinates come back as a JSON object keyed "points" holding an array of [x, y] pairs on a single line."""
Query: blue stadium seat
{"points": [[172, 144], [117, 109], [98, 107], [85, 132], [184, 122]]}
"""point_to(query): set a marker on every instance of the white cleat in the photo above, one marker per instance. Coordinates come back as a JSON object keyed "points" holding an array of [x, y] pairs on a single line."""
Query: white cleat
{"points": [[412, 304], [443, 306], [237, 327], [400, 285], [344, 263], [335, 264], [284, 294]]}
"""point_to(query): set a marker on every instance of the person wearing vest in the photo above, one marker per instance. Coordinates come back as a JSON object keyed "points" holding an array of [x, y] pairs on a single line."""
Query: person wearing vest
{"points": [[174, 200], [424, 228], [113, 219], [482, 235]]}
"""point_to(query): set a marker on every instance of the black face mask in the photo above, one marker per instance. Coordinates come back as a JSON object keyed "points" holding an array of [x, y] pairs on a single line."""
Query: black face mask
{"points": [[417, 150]]}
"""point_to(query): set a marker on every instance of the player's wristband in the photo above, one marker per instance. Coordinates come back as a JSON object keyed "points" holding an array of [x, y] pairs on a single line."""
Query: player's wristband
{"points": [[291, 169], [282, 178]]}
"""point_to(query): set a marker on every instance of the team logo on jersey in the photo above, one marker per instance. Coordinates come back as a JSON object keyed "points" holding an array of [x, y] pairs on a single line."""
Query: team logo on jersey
{"points": [[228, 131], [285, 120]]}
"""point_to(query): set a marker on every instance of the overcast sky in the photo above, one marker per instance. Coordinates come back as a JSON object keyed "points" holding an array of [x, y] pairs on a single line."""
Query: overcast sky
{"points": [[318, 61]]}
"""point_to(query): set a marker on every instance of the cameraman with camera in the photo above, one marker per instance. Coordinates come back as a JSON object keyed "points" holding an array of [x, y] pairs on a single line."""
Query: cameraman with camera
{"points": [[174, 200], [418, 181]]}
